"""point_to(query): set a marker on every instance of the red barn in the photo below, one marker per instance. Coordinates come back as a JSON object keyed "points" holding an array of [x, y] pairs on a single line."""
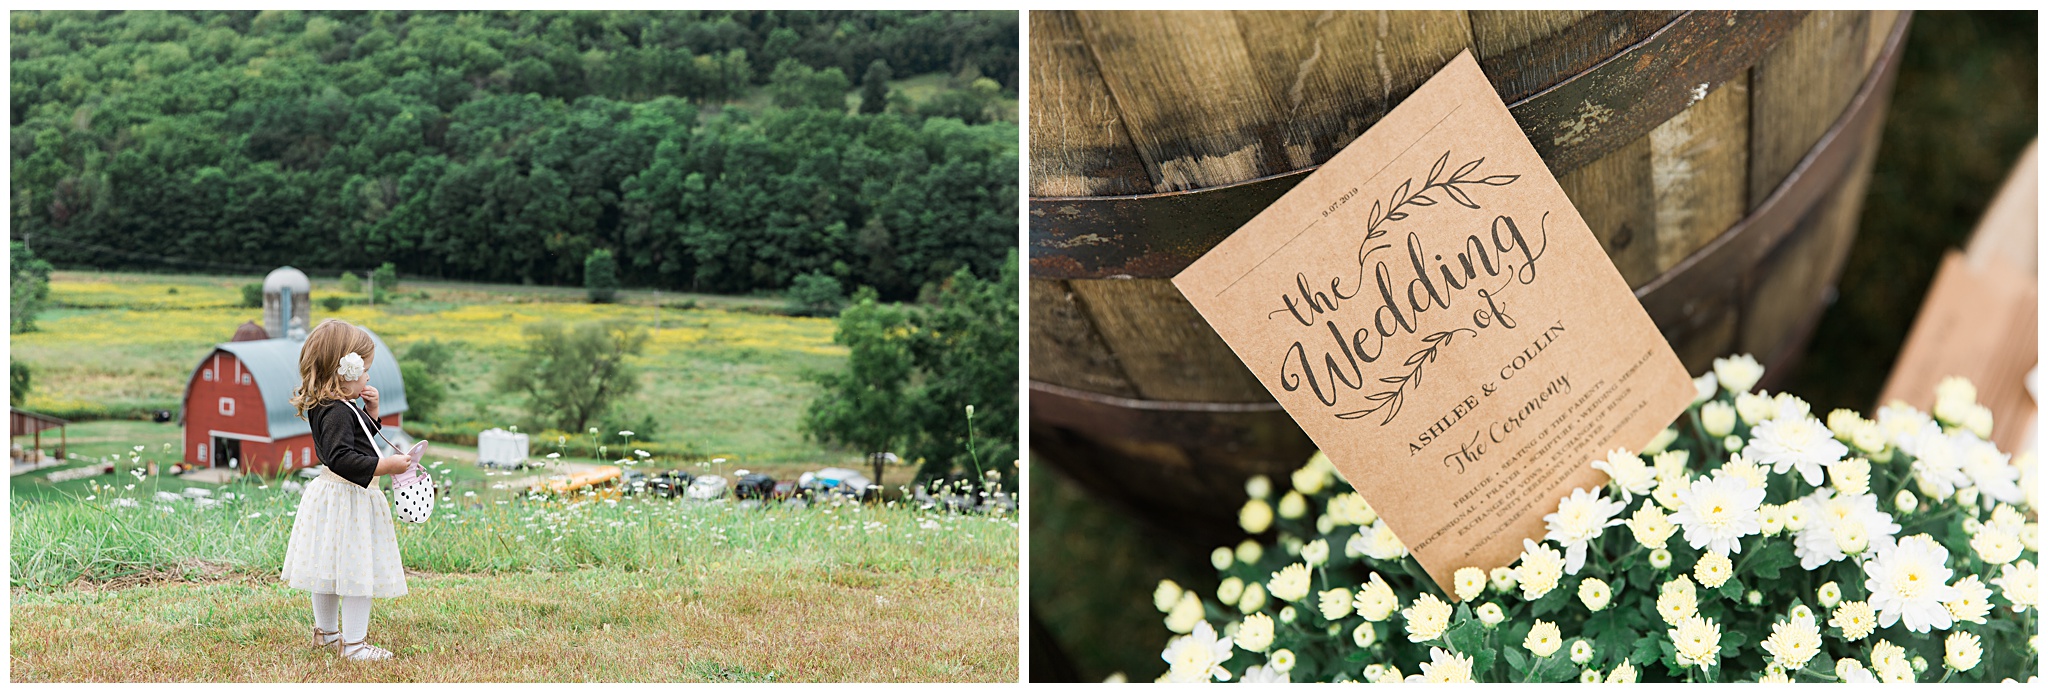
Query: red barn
{"points": [[237, 407]]}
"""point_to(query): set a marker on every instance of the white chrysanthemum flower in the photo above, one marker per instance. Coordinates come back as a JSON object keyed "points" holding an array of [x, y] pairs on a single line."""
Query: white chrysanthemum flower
{"points": [[1738, 373], [1868, 437], [1595, 593], [1718, 418], [1829, 594], [1669, 493], [1978, 421], [1258, 487], [1838, 523], [1850, 476], [1427, 618], [1382, 673], [1544, 639], [1989, 470], [1856, 619], [1335, 603], [1909, 582], [1903, 425], [1293, 505], [1446, 667], [1671, 464], [1166, 595], [1316, 552], [1314, 475], [1843, 423], [1704, 387], [1848, 670], [1628, 472], [1801, 443], [1350, 509], [1364, 636], [1468, 583], [1249, 552], [1375, 599], [1771, 519], [1222, 557], [1290, 583], [1579, 519], [1677, 600], [1230, 590], [1623, 673], [1255, 516], [1582, 652], [1741, 468], [1660, 558], [1282, 660], [1793, 643], [1197, 657], [1589, 676], [1358, 543], [1502, 579], [1490, 614], [1996, 545], [1185, 613], [1962, 651], [2018, 582], [1256, 633], [1287, 614], [1972, 601], [1260, 673], [1538, 570], [1774, 674], [1890, 663], [1717, 513], [1650, 527], [1254, 598], [1662, 440], [1790, 406], [351, 368], [1713, 569], [1382, 544], [1755, 408], [1698, 642]]}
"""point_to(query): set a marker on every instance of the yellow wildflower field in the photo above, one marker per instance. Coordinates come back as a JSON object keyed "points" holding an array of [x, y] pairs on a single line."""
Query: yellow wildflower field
{"points": [[719, 379]]}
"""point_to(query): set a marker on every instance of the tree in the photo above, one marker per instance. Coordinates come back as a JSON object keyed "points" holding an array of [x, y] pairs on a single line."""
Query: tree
{"points": [[966, 347], [29, 282], [796, 85], [874, 87], [425, 370], [601, 276], [252, 295], [571, 378], [384, 280], [865, 406], [20, 380], [351, 283], [815, 294]]}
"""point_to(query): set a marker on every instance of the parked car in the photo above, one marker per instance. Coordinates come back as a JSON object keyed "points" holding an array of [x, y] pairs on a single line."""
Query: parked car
{"points": [[633, 481], [707, 487], [754, 486], [670, 484], [838, 480]]}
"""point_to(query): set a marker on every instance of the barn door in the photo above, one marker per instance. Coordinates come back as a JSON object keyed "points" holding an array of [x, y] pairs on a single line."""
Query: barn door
{"points": [[225, 449]]}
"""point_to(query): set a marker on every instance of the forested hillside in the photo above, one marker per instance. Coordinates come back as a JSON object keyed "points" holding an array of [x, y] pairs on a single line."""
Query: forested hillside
{"points": [[505, 146]]}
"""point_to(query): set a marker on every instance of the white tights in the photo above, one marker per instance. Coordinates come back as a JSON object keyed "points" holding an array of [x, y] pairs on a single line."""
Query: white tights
{"points": [[352, 612]]}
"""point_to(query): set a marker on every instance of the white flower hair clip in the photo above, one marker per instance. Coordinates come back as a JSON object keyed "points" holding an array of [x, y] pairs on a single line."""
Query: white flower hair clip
{"points": [[351, 368]]}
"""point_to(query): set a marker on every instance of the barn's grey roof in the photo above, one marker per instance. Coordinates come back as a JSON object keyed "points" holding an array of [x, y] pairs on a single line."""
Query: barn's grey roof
{"points": [[275, 365]]}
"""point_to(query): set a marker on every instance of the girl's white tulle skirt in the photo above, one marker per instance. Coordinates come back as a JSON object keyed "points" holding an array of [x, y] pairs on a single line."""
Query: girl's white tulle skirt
{"points": [[343, 541]]}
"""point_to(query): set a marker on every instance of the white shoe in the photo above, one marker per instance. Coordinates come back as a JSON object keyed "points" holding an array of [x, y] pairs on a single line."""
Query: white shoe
{"points": [[360, 651]]}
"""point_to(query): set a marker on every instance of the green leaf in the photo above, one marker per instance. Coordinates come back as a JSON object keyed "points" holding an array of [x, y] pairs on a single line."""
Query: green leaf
{"points": [[1772, 558], [1517, 662], [1731, 639], [1549, 602], [1482, 661], [1732, 589], [1467, 637], [1645, 650]]}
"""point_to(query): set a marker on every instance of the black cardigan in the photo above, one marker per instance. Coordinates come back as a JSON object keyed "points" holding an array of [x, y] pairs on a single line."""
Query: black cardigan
{"points": [[339, 441]]}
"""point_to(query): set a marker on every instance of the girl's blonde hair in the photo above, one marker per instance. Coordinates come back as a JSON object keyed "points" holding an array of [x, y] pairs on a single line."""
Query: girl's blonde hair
{"points": [[319, 383]]}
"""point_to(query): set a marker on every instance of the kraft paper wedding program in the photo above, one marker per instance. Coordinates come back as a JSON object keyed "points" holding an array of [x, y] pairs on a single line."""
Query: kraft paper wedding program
{"points": [[1435, 314]]}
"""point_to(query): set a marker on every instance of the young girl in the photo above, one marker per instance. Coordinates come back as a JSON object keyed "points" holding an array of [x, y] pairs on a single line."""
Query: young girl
{"points": [[343, 548]]}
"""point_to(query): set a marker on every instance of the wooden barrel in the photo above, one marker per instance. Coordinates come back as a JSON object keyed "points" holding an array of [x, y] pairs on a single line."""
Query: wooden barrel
{"points": [[1720, 157]]}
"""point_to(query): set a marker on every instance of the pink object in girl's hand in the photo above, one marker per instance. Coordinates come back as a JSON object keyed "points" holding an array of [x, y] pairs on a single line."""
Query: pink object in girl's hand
{"points": [[415, 473]]}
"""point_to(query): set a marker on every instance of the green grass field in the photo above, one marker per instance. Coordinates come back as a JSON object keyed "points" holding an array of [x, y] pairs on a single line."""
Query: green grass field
{"points": [[109, 583]]}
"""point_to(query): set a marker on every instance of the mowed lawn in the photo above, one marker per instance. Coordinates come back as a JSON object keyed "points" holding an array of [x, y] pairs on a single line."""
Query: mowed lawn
{"points": [[718, 377], [732, 622]]}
